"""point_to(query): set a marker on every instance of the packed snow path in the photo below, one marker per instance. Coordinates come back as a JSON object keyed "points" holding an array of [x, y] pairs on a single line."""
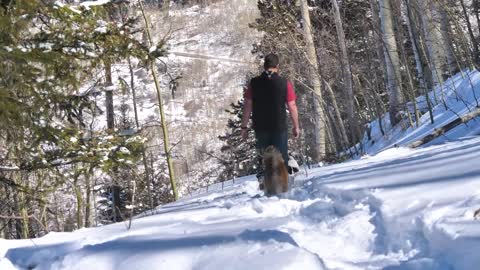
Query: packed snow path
{"points": [[401, 209]]}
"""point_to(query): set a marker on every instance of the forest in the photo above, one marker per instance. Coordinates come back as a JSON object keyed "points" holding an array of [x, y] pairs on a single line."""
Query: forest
{"points": [[76, 150]]}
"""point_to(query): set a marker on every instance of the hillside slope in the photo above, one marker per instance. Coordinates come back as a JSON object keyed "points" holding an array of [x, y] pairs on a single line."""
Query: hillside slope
{"points": [[457, 97], [208, 56]]}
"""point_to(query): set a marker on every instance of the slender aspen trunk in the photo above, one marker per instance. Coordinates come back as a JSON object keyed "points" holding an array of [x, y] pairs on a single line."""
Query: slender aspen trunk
{"points": [[166, 7], [347, 74], [109, 95], [392, 61], [137, 124], [3, 229], [411, 24], [319, 144], [376, 25], [433, 39], [25, 218], [88, 192], [166, 144], [446, 37], [476, 7], [332, 142], [410, 92], [476, 54], [377, 44], [78, 196], [133, 202], [338, 117]]}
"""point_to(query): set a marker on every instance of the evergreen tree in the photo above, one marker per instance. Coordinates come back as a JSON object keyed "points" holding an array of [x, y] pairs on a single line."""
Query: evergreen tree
{"points": [[47, 52], [239, 157]]}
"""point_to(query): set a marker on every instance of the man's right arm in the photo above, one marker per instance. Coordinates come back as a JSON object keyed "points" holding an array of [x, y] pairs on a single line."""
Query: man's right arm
{"points": [[247, 111]]}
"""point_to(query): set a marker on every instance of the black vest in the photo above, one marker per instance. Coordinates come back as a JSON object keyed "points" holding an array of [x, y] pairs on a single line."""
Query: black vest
{"points": [[269, 96]]}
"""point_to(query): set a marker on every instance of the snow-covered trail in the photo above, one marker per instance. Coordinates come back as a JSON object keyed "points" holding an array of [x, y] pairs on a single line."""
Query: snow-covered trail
{"points": [[401, 209], [427, 198]]}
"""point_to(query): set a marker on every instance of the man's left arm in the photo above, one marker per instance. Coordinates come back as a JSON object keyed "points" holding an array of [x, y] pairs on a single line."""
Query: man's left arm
{"points": [[292, 108]]}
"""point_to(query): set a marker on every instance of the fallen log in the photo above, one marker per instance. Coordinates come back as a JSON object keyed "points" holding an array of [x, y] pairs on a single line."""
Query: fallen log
{"points": [[442, 130]]}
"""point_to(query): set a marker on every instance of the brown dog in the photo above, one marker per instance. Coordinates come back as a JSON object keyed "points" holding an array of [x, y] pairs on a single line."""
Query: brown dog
{"points": [[276, 174]]}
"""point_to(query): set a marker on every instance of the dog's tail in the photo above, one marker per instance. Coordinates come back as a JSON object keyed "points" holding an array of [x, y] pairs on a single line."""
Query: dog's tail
{"points": [[271, 153]]}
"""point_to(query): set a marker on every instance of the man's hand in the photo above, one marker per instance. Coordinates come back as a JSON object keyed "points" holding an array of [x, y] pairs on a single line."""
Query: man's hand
{"points": [[296, 132], [244, 133]]}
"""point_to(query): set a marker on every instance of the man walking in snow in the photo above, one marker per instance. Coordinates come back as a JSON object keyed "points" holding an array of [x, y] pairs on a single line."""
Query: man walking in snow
{"points": [[267, 98]]}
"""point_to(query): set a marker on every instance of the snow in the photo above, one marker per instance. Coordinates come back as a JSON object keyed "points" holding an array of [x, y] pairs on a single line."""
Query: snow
{"points": [[88, 4], [402, 209]]}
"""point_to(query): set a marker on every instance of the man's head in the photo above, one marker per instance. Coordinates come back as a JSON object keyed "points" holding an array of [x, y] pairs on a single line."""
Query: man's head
{"points": [[271, 61]]}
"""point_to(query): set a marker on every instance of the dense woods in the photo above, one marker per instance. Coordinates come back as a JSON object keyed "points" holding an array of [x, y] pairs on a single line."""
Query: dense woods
{"points": [[69, 159]]}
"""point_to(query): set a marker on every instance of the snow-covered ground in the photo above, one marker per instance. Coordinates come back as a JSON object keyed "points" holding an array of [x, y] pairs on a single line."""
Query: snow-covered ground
{"points": [[400, 209]]}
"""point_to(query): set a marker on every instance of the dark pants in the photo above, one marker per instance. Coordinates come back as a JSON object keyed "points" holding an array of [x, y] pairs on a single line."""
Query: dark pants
{"points": [[279, 139]]}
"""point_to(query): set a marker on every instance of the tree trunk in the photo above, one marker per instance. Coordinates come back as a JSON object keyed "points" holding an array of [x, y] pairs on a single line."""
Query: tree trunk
{"points": [[132, 204], [376, 25], [88, 192], [433, 38], [410, 92], [452, 65], [347, 75], [412, 30], [109, 95], [332, 144], [476, 55], [476, 7], [338, 118], [78, 196], [3, 228], [25, 218], [166, 144], [166, 7], [392, 61], [137, 124], [115, 189], [319, 144], [377, 44], [16, 209]]}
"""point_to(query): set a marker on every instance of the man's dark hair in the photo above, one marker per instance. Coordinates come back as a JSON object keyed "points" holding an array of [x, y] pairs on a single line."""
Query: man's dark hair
{"points": [[271, 61]]}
